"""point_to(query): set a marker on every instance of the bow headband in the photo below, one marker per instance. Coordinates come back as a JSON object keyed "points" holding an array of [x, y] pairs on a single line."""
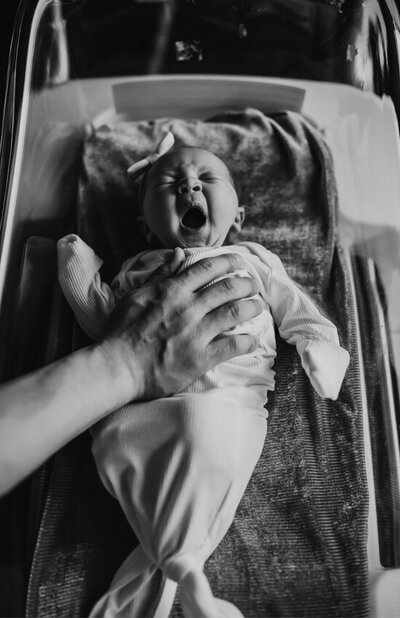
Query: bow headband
{"points": [[138, 168]]}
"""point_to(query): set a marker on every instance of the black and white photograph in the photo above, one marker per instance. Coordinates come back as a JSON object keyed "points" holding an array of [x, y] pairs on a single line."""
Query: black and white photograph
{"points": [[200, 309]]}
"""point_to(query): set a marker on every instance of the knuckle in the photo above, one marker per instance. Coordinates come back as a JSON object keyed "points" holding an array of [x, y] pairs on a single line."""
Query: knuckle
{"points": [[232, 344], [235, 312], [241, 344], [235, 261], [248, 285], [228, 284], [232, 348], [206, 265], [253, 285], [166, 288]]}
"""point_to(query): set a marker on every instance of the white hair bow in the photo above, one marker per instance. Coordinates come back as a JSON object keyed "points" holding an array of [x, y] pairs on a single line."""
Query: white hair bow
{"points": [[138, 168]]}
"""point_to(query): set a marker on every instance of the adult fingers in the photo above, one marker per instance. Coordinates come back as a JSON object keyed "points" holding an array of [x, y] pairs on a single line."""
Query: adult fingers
{"points": [[206, 270], [230, 315], [169, 268], [228, 346], [227, 290]]}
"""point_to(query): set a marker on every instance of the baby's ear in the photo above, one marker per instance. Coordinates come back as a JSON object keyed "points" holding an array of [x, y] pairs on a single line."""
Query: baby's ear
{"points": [[145, 230], [239, 219]]}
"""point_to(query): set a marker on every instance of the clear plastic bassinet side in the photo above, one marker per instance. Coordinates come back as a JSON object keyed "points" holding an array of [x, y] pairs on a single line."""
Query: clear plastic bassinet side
{"points": [[68, 62]]}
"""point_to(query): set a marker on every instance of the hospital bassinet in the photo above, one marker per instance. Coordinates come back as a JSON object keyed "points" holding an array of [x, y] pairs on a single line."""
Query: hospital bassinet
{"points": [[317, 532]]}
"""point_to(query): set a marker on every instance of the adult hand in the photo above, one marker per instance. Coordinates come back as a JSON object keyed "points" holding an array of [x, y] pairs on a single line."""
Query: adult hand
{"points": [[157, 341], [173, 329]]}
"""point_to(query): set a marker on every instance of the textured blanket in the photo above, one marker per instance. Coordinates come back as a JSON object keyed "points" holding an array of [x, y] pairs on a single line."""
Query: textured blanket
{"points": [[297, 547]]}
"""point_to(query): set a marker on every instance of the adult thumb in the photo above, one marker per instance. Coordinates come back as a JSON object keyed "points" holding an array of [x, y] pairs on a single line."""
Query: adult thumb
{"points": [[170, 267]]}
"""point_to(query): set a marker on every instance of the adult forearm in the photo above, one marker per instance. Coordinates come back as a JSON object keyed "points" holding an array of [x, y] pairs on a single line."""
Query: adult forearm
{"points": [[42, 411], [157, 341]]}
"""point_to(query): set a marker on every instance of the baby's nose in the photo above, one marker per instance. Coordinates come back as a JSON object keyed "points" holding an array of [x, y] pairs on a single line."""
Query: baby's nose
{"points": [[189, 184]]}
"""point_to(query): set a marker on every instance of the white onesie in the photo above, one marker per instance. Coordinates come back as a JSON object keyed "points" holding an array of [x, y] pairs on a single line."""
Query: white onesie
{"points": [[179, 465]]}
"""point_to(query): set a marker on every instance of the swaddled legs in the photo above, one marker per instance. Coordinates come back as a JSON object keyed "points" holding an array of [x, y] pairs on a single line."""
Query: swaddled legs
{"points": [[197, 599], [178, 467]]}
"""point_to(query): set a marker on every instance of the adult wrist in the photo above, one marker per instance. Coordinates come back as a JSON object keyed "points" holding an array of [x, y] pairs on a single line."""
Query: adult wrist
{"points": [[117, 362]]}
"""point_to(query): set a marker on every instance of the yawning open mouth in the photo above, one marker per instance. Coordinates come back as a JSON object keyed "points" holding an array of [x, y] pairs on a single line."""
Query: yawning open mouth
{"points": [[194, 218]]}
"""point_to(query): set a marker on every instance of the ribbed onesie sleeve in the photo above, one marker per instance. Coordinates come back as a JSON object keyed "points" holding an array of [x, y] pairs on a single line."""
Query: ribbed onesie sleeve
{"points": [[90, 299], [301, 324]]}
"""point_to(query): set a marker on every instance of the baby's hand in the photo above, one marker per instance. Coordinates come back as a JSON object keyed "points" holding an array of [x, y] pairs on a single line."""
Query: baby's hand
{"points": [[73, 255], [325, 368]]}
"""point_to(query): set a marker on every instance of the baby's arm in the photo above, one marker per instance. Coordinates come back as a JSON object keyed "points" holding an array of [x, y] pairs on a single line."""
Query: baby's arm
{"points": [[301, 324], [90, 299]]}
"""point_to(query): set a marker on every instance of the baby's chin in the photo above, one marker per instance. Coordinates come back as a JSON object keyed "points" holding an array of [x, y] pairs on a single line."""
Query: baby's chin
{"points": [[189, 239], [193, 241]]}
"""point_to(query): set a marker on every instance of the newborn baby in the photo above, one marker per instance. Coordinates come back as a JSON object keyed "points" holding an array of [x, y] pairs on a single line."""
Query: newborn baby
{"points": [[179, 465]]}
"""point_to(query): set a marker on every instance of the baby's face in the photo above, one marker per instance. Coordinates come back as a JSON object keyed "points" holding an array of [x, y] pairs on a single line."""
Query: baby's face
{"points": [[189, 199]]}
